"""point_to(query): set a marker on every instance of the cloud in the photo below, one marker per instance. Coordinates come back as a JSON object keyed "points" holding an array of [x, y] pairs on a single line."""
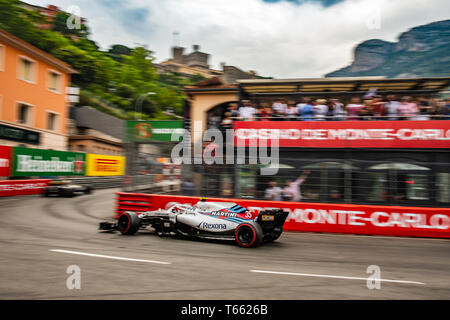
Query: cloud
{"points": [[325, 3], [299, 38]]}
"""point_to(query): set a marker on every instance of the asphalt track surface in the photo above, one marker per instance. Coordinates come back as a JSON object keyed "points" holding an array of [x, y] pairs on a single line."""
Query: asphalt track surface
{"points": [[41, 237]]}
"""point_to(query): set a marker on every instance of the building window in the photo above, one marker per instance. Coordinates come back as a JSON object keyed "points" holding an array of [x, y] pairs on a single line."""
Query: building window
{"points": [[81, 147], [52, 121], [247, 182], [327, 181], [377, 186], [2, 58], [443, 185], [24, 113], [398, 181], [416, 186], [55, 81], [27, 69]]}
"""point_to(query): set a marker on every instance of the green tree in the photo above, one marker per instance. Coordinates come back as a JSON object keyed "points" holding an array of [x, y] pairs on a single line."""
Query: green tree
{"points": [[119, 49], [20, 22], [60, 25], [108, 80]]}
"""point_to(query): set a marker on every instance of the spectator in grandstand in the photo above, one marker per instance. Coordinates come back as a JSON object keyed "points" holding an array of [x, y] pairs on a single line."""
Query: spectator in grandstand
{"points": [[291, 111], [279, 109], [214, 120], [305, 109], [330, 111], [310, 195], [247, 111], [335, 195], [227, 121], [439, 109], [353, 109], [434, 112], [233, 109], [370, 94], [446, 111], [391, 107], [366, 113], [424, 109], [377, 107], [273, 193], [264, 112], [407, 110], [339, 112], [291, 191], [320, 109]]}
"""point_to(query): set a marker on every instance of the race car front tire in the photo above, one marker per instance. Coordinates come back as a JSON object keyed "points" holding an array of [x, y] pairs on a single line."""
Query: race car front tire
{"points": [[248, 235], [128, 223]]}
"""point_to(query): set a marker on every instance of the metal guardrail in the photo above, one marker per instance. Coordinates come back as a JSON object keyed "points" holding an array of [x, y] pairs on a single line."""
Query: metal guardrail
{"points": [[140, 183], [100, 182]]}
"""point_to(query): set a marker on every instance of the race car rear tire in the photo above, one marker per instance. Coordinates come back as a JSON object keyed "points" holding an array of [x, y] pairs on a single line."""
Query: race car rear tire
{"points": [[128, 223], [248, 235]]}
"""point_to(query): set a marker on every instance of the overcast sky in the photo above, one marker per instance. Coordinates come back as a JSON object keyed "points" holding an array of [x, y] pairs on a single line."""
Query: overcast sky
{"points": [[279, 38]]}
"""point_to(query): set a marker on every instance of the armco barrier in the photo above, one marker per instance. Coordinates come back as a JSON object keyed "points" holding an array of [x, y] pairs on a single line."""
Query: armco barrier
{"points": [[99, 182], [322, 217], [22, 187], [36, 186]]}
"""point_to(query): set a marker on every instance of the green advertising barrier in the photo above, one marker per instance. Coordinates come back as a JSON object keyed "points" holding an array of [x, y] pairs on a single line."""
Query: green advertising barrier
{"points": [[154, 130], [37, 162]]}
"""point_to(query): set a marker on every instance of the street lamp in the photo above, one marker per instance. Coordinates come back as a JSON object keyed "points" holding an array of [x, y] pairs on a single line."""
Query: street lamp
{"points": [[139, 102]]}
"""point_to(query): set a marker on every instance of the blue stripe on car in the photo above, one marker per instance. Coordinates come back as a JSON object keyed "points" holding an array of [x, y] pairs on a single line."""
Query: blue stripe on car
{"points": [[236, 220]]}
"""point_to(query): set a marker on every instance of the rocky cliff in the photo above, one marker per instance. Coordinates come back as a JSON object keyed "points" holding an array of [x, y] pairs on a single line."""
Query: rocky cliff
{"points": [[423, 51]]}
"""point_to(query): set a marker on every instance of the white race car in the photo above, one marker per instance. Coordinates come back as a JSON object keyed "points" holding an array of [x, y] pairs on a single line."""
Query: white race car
{"points": [[208, 220]]}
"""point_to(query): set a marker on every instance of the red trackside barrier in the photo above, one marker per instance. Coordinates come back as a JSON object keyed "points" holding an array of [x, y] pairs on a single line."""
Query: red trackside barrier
{"points": [[22, 187], [322, 217], [133, 202]]}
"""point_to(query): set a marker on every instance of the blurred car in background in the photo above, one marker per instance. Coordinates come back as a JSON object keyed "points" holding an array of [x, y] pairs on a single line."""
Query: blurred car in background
{"points": [[66, 188]]}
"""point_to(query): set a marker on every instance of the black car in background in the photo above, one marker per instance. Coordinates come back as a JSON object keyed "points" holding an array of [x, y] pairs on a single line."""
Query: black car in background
{"points": [[66, 188]]}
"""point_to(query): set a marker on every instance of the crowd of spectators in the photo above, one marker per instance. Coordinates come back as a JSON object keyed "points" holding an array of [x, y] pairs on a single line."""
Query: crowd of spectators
{"points": [[290, 192], [370, 107]]}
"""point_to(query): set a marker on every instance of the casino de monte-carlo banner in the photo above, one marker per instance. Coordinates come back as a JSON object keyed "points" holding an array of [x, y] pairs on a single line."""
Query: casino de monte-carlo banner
{"points": [[345, 134], [38, 162]]}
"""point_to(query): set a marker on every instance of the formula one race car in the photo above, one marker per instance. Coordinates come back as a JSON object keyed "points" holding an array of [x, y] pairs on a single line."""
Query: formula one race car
{"points": [[65, 188], [206, 220]]}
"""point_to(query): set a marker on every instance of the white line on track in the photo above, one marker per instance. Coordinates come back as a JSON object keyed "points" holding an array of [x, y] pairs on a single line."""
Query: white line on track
{"points": [[334, 277], [108, 257]]}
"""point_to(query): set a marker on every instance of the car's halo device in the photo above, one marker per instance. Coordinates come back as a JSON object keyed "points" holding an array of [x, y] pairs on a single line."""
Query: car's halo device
{"points": [[206, 220]]}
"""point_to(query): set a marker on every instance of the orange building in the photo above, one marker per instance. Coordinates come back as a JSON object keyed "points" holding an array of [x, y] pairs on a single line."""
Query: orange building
{"points": [[33, 101]]}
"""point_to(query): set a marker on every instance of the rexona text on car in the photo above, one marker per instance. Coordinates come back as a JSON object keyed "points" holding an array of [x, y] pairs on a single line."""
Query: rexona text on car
{"points": [[207, 220]]}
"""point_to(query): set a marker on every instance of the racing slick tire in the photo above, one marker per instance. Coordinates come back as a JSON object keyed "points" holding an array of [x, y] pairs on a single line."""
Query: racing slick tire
{"points": [[128, 223], [88, 190], [248, 235]]}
